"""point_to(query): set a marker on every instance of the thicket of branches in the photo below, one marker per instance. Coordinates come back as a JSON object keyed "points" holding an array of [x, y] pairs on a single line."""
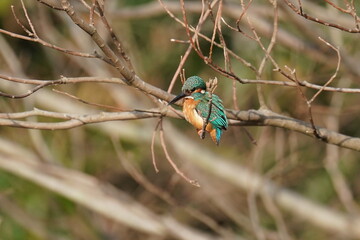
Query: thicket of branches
{"points": [[287, 73]]}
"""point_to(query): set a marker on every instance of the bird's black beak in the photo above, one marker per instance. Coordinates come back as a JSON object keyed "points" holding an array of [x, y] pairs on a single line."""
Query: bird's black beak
{"points": [[177, 98]]}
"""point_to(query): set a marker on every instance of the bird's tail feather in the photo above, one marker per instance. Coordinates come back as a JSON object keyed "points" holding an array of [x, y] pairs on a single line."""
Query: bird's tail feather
{"points": [[216, 135]]}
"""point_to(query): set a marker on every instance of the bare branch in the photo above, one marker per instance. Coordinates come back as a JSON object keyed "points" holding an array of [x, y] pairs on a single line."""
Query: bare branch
{"points": [[119, 46], [87, 102], [172, 163], [301, 13], [335, 73], [46, 44], [55, 4], [153, 145]]}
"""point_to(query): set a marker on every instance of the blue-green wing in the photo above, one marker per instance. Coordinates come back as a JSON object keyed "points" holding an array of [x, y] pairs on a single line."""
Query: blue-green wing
{"points": [[217, 117]]}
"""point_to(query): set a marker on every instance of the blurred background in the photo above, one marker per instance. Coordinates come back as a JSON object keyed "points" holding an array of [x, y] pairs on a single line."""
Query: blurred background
{"points": [[115, 158]]}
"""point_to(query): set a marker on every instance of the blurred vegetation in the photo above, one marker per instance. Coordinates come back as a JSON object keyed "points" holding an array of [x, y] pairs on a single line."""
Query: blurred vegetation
{"points": [[293, 160]]}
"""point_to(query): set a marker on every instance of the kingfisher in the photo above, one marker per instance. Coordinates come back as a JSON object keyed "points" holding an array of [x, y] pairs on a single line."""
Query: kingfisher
{"points": [[196, 108]]}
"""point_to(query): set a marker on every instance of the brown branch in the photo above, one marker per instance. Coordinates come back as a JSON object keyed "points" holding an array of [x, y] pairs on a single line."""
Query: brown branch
{"points": [[54, 4], [33, 37], [87, 102], [301, 13], [206, 60], [269, 118], [44, 83], [63, 80], [309, 107], [153, 145], [159, 93], [237, 118], [118, 45], [128, 75], [28, 93], [194, 6], [335, 73], [337, 7], [179, 68], [74, 120], [172, 163], [20, 24], [49, 45]]}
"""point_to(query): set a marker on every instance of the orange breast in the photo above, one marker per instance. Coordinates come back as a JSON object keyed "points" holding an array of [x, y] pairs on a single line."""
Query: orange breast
{"points": [[192, 116]]}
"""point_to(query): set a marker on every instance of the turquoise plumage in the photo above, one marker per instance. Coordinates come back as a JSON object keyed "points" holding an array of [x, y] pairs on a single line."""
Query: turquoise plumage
{"points": [[217, 117], [196, 108]]}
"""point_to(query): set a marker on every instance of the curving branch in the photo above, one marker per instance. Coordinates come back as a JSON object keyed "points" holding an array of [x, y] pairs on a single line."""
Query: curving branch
{"points": [[238, 118], [269, 118]]}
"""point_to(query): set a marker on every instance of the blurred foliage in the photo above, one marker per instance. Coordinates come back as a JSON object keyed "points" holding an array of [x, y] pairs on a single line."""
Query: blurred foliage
{"points": [[293, 160]]}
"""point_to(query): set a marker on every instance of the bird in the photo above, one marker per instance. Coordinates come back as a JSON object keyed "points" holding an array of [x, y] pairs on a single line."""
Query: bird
{"points": [[196, 108]]}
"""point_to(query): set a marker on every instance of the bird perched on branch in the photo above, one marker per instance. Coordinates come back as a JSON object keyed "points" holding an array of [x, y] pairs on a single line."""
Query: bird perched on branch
{"points": [[203, 109]]}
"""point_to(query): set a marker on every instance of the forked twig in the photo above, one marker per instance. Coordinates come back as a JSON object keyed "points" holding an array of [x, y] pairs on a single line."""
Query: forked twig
{"points": [[28, 18], [335, 73], [20, 24], [207, 60], [309, 102], [309, 107]]}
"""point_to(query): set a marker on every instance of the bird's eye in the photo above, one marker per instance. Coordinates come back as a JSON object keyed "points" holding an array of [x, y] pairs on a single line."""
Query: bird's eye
{"points": [[193, 89]]}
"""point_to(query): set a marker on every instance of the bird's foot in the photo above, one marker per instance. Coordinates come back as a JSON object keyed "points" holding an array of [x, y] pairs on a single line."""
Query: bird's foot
{"points": [[201, 133]]}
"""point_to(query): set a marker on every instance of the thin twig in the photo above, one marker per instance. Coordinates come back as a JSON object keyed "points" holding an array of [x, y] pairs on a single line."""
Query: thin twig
{"points": [[139, 177], [28, 19], [315, 131], [119, 46], [212, 84], [301, 13], [87, 102], [20, 24], [179, 68], [92, 10], [49, 45], [335, 73], [172, 163], [153, 145]]}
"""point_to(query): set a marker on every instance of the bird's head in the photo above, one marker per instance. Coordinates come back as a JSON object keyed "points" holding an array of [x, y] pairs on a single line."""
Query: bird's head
{"points": [[191, 85]]}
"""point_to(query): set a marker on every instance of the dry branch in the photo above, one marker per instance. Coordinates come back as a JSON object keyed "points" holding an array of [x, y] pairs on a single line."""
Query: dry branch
{"points": [[238, 118], [299, 10]]}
